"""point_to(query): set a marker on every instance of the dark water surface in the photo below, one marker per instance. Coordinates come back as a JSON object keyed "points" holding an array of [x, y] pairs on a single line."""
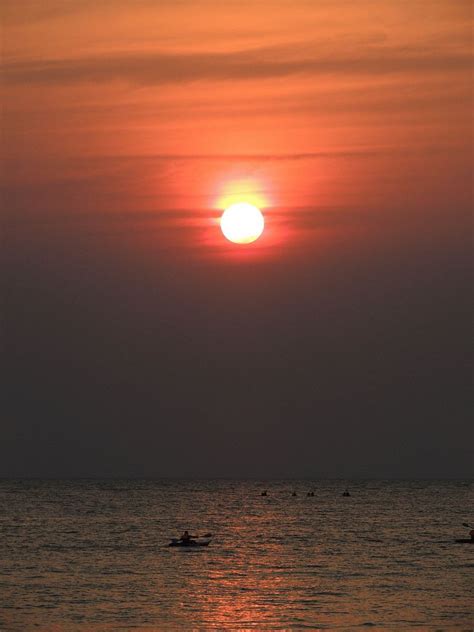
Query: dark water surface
{"points": [[92, 555]]}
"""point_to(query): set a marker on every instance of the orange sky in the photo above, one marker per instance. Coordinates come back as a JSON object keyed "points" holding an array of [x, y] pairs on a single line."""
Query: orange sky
{"points": [[129, 319], [337, 114]]}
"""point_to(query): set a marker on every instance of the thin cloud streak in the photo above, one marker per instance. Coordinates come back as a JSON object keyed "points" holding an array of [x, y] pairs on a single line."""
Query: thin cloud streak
{"points": [[255, 157], [162, 68]]}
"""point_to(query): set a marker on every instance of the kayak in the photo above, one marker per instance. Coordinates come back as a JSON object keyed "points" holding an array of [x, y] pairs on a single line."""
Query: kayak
{"points": [[465, 541], [191, 543]]}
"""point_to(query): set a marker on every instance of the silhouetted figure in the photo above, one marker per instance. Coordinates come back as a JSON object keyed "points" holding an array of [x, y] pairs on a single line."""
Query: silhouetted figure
{"points": [[346, 493], [310, 494], [264, 493], [186, 537], [294, 494]]}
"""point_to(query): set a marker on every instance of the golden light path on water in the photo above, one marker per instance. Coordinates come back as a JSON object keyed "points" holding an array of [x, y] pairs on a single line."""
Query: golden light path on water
{"points": [[385, 557]]}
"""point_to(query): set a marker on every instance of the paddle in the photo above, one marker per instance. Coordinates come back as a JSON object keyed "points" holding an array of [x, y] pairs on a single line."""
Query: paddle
{"points": [[465, 524], [194, 537]]}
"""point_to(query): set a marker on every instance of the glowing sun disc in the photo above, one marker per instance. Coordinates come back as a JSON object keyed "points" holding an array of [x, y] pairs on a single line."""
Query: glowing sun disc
{"points": [[242, 223]]}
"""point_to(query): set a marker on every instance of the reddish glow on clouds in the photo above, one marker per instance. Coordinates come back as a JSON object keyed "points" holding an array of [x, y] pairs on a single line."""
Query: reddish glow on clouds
{"points": [[357, 122]]}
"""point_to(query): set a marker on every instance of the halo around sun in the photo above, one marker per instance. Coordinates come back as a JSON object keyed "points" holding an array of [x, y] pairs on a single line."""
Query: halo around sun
{"points": [[242, 223]]}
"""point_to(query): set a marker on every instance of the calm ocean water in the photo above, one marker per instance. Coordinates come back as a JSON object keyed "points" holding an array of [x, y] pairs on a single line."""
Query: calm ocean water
{"points": [[92, 555]]}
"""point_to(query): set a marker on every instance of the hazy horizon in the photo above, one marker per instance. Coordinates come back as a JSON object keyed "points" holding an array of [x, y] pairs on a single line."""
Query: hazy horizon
{"points": [[255, 479]]}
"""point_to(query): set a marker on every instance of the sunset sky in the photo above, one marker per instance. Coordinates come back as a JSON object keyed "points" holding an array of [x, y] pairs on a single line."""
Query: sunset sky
{"points": [[136, 339]]}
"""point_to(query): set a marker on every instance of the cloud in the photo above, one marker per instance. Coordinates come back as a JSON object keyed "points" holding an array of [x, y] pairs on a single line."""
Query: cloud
{"points": [[157, 68], [259, 158]]}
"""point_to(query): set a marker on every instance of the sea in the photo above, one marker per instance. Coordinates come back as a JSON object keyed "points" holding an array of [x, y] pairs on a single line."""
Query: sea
{"points": [[93, 555]]}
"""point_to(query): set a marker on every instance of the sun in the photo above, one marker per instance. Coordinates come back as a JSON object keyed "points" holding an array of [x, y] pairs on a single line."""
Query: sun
{"points": [[242, 223]]}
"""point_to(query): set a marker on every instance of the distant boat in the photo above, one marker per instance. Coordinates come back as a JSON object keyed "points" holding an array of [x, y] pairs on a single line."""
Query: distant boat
{"points": [[346, 493]]}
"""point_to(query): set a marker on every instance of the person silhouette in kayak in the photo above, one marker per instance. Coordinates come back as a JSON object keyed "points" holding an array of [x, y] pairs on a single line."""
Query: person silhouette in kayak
{"points": [[186, 538]]}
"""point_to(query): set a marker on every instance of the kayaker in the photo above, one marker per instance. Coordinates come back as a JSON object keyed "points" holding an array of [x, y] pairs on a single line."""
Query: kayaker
{"points": [[186, 538]]}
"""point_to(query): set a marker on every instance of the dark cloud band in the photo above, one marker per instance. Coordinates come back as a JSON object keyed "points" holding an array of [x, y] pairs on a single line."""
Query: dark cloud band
{"points": [[160, 68]]}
